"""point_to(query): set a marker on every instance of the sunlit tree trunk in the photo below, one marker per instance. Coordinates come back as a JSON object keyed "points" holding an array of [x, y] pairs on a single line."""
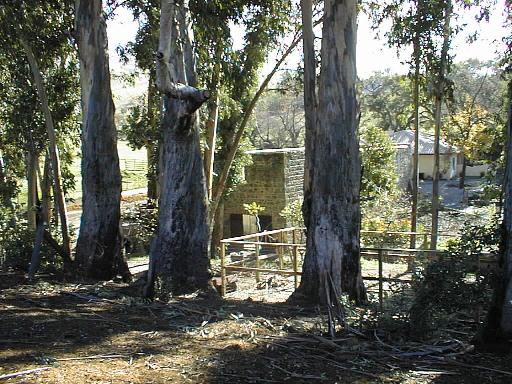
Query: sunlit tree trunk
{"points": [[99, 248], [331, 265], [211, 127], [178, 256], [310, 102], [438, 101], [42, 222]]}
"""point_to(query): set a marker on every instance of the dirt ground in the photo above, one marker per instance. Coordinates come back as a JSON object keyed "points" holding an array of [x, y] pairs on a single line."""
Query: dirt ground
{"points": [[104, 333]]}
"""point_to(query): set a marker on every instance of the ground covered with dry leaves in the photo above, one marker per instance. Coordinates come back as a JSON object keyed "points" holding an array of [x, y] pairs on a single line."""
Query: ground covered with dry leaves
{"points": [[103, 333]]}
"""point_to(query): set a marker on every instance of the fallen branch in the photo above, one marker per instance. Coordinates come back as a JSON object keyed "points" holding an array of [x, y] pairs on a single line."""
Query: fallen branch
{"points": [[92, 357], [22, 373]]}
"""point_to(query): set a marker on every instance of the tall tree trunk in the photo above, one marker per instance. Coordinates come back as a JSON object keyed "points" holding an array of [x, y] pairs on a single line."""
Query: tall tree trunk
{"points": [[218, 231], [332, 265], [6, 197], [52, 145], [32, 190], [211, 127], [439, 95], [310, 102], [35, 260], [462, 179], [99, 247], [498, 326], [178, 256], [416, 157]]}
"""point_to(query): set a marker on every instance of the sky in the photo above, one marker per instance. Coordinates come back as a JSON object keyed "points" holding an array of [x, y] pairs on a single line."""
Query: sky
{"points": [[372, 53]]}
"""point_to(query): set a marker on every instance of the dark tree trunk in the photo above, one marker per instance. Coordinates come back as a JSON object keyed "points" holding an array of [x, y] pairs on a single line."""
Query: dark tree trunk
{"points": [[439, 96], [31, 190], [498, 327], [331, 264], [416, 157], [99, 250], [462, 179], [178, 258]]}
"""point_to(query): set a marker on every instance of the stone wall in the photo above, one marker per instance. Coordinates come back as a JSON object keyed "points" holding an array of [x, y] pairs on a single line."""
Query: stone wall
{"points": [[273, 180], [294, 175]]}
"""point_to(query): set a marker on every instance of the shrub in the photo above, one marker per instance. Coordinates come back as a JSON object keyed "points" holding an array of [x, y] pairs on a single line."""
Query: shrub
{"points": [[17, 242], [454, 283], [140, 223]]}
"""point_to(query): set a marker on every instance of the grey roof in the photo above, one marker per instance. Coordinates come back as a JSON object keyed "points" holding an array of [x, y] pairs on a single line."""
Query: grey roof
{"points": [[426, 143]]}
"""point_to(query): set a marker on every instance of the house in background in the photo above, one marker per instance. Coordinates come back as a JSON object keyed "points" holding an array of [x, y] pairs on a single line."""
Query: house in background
{"points": [[274, 180], [449, 166]]}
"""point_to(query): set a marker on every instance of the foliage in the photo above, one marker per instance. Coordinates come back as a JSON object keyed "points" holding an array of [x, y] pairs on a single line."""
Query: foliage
{"points": [[476, 115], [386, 101], [16, 243], [46, 26], [141, 222], [280, 115], [253, 208], [387, 213], [378, 163], [292, 212], [455, 283]]}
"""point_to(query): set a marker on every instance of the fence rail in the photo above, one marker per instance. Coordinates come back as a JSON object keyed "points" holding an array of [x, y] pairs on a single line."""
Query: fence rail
{"points": [[248, 251]]}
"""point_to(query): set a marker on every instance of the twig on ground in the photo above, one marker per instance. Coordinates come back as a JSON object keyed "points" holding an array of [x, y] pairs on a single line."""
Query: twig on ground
{"points": [[92, 357], [22, 373]]}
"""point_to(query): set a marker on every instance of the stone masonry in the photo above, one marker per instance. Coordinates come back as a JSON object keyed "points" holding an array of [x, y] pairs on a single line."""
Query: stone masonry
{"points": [[273, 180]]}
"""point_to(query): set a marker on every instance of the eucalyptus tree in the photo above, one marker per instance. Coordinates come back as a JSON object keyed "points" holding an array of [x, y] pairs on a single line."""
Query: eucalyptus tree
{"points": [[232, 75], [439, 94], [332, 214], [40, 91], [178, 256], [99, 247], [498, 326]]}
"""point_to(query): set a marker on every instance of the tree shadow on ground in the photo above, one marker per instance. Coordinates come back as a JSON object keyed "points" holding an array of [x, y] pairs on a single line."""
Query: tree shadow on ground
{"points": [[201, 339]]}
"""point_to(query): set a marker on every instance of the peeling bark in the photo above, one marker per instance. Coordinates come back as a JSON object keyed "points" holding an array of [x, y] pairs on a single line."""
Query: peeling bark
{"points": [[332, 243], [99, 247], [178, 257]]}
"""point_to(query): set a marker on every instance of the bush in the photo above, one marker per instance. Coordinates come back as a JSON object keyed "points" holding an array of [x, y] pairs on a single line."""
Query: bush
{"points": [[388, 213], [139, 226], [17, 242], [454, 284]]}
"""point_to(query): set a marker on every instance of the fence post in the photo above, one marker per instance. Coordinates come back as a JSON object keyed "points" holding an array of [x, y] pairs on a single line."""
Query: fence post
{"points": [[257, 256], [381, 288], [280, 249], [222, 269], [295, 266]]}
